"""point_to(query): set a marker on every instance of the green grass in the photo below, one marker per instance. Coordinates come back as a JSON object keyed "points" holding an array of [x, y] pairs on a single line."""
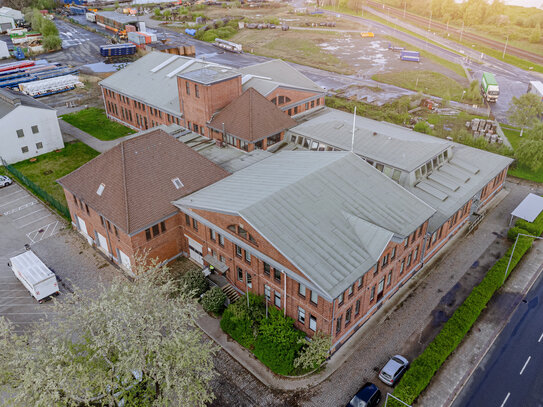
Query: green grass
{"points": [[94, 121], [431, 83], [51, 166], [516, 170]]}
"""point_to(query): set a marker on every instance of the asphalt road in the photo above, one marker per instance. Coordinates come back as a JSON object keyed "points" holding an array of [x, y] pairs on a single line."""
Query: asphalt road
{"points": [[510, 374]]}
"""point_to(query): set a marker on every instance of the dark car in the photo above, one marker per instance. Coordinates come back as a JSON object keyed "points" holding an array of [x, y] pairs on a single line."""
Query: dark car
{"points": [[368, 396]]}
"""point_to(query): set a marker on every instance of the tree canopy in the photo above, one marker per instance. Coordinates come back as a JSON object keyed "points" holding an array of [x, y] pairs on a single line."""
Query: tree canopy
{"points": [[130, 340], [529, 153], [524, 110]]}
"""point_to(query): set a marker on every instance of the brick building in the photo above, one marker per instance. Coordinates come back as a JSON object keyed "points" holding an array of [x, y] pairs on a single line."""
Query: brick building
{"points": [[163, 89], [121, 200], [323, 235]]}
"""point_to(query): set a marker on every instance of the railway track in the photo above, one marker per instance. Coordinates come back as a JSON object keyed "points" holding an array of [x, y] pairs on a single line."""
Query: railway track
{"points": [[436, 25]]}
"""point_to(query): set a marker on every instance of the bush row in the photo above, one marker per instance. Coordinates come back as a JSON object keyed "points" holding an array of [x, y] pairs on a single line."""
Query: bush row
{"points": [[451, 335]]}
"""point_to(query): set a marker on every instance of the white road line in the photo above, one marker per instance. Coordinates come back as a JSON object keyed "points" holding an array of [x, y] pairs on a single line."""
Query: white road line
{"points": [[34, 221], [13, 193], [540, 338], [15, 200], [525, 364], [23, 313], [20, 208], [505, 401], [28, 214]]}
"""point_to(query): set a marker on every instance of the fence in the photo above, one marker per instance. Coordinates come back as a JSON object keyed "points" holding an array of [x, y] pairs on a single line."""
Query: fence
{"points": [[38, 191]]}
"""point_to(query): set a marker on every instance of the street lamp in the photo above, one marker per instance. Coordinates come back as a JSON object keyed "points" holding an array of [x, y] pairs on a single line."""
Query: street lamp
{"points": [[395, 398], [505, 47], [513, 251]]}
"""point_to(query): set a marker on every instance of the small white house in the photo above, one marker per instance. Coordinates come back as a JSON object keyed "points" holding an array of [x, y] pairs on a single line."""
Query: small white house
{"points": [[4, 51], [28, 127]]}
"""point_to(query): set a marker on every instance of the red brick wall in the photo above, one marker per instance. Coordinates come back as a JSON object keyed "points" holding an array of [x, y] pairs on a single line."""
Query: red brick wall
{"points": [[293, 107], [198, 110]]}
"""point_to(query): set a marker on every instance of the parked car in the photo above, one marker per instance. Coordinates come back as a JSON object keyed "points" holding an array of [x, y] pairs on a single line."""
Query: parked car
{"points": [[368, 396], [393, 370], [5, 181]]}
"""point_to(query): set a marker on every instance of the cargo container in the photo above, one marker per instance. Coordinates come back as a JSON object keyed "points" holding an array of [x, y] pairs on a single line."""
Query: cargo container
{"points": [[90, 17], [536, 87], [489, 87], [117, 50], [228, 45], [413, 56], [50, 86]]}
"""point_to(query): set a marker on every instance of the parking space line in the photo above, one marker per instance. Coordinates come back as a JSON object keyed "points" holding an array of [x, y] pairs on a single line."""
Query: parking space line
{"points": [[34, 221], [20, 208], [505, 401], [28, 214], [541, 337], [525, 364], [13, 193]]}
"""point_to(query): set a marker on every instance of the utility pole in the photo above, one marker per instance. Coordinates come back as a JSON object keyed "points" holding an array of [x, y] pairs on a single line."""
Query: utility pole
{"points": [[462, 31], [430, 21], [505, 47], [404, 7]]}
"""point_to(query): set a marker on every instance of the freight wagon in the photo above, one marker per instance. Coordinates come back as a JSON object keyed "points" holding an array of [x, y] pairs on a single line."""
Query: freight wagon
{"points": [[413, 56], [228, 45], [117, 50]]}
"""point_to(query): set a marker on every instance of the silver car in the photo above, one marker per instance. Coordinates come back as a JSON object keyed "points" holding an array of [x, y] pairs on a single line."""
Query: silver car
{"points": [[5, 181], [393, 370]]}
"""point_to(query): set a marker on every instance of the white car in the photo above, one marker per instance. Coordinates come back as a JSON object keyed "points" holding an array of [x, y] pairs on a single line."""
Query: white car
{"points": [[5, 181], [393, 370]]}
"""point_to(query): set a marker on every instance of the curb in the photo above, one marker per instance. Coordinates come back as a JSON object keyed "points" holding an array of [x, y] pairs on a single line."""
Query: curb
{"points": [[516, 302]]}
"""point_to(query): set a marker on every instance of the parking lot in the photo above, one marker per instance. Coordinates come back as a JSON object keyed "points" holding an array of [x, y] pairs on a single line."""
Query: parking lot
{"points": [[25, 220]]}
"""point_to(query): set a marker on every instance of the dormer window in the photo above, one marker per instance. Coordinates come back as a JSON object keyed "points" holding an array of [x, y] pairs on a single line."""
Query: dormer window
{"points": [[100, 189], [242, 233], [177, 183]]}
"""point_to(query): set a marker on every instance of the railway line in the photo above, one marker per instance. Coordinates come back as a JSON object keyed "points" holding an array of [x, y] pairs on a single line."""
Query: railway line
{"points": [[436, 25]]}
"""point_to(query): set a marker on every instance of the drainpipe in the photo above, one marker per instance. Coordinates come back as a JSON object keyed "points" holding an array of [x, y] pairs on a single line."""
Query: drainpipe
{"points": [[332, 329], [285, 292]]}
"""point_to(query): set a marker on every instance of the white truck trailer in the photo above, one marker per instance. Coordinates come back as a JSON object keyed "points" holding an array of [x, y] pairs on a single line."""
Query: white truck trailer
{"points": [[536, 87], [38, 279]]}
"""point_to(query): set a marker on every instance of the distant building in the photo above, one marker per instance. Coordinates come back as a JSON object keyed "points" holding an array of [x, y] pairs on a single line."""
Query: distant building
{"points": [[114, 21], [4, 51], [29, 127]]}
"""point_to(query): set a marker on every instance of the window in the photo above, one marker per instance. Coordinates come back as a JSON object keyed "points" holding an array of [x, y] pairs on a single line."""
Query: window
{"points": [[247, 257], [420, 230], [312, 103], [350, 292], [312, 323], [402, 266], [372, 293], [242, 232], [115, 229], [221, 258], [187, 87], [357, 307], [187, 219], [148, 234], [196, 91], [39, 145], [381, 286], [380, 167], [360, 282], [195, 224], [240, 273], [276, 274], [221, 240], [24, 149], [314, 298], [376, 268], [267, 292], [348, 316], [306, 105], [162, 227], [277, 299], [301, 315], [338, 323], [177, 183], [415, 254], [301, 289], [385, 260], [238, 251], [195, 128], [87, 209], [406, 242], [393, 253], [20, 133], [389, 278], [266, 268], [409, 260], [341, 298], [249, 281], [156, 231], [212, 234], [102, 221]]}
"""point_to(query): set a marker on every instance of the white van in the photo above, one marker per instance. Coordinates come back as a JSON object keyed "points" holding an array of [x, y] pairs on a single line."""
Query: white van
{"points": [[35, 276]]}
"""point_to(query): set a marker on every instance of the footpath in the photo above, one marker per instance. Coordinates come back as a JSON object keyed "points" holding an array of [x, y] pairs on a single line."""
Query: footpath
{"points": [[71, 132]]}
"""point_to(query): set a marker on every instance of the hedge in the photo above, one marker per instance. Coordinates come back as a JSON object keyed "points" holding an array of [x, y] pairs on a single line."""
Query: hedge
{"points": [[424, 367]]}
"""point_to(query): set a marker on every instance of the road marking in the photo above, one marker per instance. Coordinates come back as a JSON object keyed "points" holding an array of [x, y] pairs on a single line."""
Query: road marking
{"points": [[505, 401], [525, 364], [28, 214], [34, 221], [20, 208], [541, 337], [15, 200]]}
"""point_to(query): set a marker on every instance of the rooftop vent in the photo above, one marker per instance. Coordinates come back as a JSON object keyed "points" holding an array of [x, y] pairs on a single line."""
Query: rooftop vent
{"points": [[100, 189], [177, 182]]}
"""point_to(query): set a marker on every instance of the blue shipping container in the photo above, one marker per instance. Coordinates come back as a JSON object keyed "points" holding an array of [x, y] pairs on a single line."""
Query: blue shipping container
{"points": [[117, 50], [413, 56], [190, 31]]}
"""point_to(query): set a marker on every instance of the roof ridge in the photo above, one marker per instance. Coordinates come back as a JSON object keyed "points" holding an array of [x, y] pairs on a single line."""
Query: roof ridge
{"points": [[123, 169]]}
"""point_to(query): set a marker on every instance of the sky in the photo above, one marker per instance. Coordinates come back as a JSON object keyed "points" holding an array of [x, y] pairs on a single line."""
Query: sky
{"points": [[525, 3]]}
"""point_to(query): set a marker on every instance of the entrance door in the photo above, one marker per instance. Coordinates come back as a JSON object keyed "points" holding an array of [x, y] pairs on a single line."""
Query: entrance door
{"points": [[125, 260], [195, 251], [102, 242], [83, 229]]}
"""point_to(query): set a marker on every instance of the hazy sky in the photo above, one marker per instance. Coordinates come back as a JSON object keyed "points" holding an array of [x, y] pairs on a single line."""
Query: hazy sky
{"points": [[525, 3]]}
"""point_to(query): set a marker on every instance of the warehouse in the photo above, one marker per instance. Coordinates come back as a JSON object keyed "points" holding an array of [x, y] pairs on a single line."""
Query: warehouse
{"points": [[115, 21]]}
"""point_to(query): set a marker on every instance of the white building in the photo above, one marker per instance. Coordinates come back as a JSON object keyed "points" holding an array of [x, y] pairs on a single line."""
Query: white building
{"points": [[29, 127], [4, 51]]}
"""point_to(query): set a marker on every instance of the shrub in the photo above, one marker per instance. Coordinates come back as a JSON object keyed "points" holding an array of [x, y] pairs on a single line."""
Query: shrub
{"points": [[514, 231], [194, 283], [422, 127], [241, 321], [51, 42], [277, 343], [213, 300], [314, 353]]}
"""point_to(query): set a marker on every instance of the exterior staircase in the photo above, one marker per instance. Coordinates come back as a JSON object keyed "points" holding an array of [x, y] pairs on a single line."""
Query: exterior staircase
{"points": [[230, 292]]}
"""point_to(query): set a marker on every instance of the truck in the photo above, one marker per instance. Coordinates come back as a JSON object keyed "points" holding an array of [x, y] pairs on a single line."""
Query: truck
{"points": [[413, 56], [90, 17], [536, 87], [38, 279], [489, 88]]}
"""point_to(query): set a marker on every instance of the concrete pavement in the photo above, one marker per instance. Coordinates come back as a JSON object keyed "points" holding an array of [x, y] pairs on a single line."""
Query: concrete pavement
{"points": [[98, 145]]}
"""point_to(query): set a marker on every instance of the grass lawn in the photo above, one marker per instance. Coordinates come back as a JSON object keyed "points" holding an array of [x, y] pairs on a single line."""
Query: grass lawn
{"points": [[520, 171], [512, 134], [51, 166], [94, 121], [431, 83]]}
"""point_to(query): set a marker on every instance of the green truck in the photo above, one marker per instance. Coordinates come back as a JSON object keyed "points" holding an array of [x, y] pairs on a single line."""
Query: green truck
{"points": [[489, 88]]}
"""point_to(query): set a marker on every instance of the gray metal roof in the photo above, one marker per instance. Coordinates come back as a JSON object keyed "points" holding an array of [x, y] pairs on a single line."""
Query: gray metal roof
{"points": [[457, 181], [209, 74], [267, 76], [153, 79], [10, 100], [329, 213], [529, 208], [387, 143], [121, 18]]}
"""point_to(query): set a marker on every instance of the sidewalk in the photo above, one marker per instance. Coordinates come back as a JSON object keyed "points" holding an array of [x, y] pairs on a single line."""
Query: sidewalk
{"points": [[99, 145], [457, 370]]}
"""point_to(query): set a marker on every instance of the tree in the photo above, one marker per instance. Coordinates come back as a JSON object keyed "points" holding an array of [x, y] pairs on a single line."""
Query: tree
{"points": [[51, 42], [157, 12], [529, 153], [314, 353], [213, 300], [132, 337], [167, 14], [194, 283], [524, 110], [535, 36]]}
